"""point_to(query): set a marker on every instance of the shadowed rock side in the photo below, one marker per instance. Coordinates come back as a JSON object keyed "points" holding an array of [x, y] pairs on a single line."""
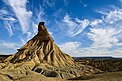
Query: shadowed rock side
{"points": [[42, 49]]}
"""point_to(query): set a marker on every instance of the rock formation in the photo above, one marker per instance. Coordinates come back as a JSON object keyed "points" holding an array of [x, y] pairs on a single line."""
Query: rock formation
{"points": [[41, 57], [42, 49]]}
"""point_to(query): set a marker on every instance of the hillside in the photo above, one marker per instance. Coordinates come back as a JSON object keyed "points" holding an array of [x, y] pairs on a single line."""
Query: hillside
{"points": [[41, 56], [107, 64]]}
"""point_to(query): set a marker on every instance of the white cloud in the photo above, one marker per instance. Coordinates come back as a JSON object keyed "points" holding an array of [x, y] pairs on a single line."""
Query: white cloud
{"points": [[91, 51], [8, 27], [39, 13], [34, 24], [107, 29], [68, 21], [105, 34], [48, 3], [96, 22], [120, 1], [83, 4], [8, 47], [76, 26], [75, 50], [119, 44], [82, 25], [50, 32], [29, 34], [23, 15], [104, 37], [8, 19], [113, 16], [22, 40], [3, 12], [35, 27], [71, 48], [19, 8]]}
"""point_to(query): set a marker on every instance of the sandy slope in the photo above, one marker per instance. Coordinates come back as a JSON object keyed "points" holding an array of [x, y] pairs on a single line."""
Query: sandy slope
{"points": [[111, 76]]}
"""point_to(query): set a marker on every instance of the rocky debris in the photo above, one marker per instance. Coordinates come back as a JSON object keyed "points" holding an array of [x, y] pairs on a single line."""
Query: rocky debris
{"points": [[65, 72], [22, 72]]}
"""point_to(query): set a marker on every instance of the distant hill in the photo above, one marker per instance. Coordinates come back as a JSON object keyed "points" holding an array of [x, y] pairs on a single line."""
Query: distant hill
{"points": [[109, 64], [2, 57], [96, 58]]}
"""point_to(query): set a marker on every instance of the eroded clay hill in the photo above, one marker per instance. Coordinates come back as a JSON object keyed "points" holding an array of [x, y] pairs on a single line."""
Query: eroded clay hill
{"points": [[42, 48], [39, 59]]}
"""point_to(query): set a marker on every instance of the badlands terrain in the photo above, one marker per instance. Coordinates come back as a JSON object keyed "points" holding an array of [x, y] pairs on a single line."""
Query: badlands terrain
{"points": [[40, 59]]}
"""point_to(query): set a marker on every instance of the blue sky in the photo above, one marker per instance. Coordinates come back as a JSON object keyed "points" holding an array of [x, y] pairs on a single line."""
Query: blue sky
{"points": [[79, 27]]}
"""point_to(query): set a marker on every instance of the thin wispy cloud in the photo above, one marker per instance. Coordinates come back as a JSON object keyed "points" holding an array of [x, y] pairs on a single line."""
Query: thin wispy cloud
{"points": [[83, 4], [3, 12], [18, 13], [23, 17], [76, 26], [72, 48], [120, 1], [113, 16], [96, 22], [22, 14], [104, 37], [82, 25], [8, 27], [48, 3], [105, 34], [8, 21], [9, 46], [66, 2]]}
